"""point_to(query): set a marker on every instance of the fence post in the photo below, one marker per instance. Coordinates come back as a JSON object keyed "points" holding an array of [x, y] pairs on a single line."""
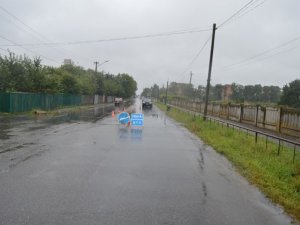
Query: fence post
{"points": [[256, 115], [279, 146], [241, 113], [280, 119], [264, 118], [227, 116]]}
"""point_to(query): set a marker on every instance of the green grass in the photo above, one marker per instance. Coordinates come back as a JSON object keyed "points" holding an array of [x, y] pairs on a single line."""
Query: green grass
{"points": [[276, 176]]}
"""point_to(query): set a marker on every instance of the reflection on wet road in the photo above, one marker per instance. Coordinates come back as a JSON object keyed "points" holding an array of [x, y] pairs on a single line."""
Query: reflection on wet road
{"points": [[95, 171]]}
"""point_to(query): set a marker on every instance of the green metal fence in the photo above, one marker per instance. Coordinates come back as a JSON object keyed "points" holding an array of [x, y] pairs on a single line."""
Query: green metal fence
{"points": [[4, 102], [22, 102]]}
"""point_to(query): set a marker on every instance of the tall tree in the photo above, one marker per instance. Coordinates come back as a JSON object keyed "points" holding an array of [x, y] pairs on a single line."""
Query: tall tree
{"points": [[275, 93], [146, 92], [291, 94], [238, 92], [20, 73], [218, 89], [70, 84], [249, 93], [200, 93], [128, 85], [155, 91]]}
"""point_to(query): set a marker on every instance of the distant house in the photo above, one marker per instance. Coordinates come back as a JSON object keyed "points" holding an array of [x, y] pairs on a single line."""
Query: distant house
{"points": [[226, 93], [68, 62], [179, 88]]}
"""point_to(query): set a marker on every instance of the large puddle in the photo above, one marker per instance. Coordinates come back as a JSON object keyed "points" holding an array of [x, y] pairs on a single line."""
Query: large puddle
{"points": [[30, 123]]}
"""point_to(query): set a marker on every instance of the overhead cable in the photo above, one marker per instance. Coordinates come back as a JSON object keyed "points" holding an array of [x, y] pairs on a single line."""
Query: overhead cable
{"points": [[20, 21], [250, 10], [29, 50], [238, 12], [117, 39], [5, 50], [194, 59], [262, 53], [34, 33]]}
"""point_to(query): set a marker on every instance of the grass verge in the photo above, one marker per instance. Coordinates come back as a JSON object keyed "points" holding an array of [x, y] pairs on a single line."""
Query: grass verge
{"points": [[276, 176]]}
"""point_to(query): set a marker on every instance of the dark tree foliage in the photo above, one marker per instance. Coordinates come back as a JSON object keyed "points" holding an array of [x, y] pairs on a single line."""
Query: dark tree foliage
{"points": [[146, 92], [238, 93], [153, 91], [215, 93], [200, 93], [291, 94], [255, 93], [22, 74]]}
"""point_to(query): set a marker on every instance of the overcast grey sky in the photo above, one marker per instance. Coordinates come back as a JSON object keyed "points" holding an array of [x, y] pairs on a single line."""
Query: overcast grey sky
{"points": [[264, 25]]}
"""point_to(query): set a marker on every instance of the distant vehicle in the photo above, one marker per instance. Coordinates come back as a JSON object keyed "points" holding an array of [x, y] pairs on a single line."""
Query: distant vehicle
{"points": [[147, 103], [118, 101]]}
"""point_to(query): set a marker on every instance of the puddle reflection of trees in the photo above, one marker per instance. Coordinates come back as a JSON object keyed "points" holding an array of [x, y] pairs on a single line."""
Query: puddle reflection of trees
{"points": [[133, 133]]}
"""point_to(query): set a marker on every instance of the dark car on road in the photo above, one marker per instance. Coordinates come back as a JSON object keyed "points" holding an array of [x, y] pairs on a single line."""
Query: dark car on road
{"points": [[147, 103]]}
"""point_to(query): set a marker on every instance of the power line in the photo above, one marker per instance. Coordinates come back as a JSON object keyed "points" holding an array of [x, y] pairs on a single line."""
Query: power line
{"points": [[118, 39], [262, 53], [38, 36], [5, 50], [194, 59], [19, 27], [250, 10], [278, 53], [243, 8], [229, 19], [264, 58], [4, 38], [20, 21]]}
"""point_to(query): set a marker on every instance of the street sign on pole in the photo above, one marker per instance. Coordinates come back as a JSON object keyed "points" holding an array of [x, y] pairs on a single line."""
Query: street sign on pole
{"points": [[137, 119]]}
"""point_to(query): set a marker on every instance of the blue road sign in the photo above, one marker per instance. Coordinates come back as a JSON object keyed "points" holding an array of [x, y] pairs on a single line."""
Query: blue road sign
{"points": [[137, 119], [124, 118]]}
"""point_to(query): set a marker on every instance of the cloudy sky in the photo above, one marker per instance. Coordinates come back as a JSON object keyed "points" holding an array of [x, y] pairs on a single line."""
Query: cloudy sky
{"points": [[160, 40]]}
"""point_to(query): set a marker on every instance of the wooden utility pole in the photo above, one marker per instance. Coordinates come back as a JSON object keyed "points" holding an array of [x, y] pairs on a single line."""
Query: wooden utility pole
{"points": [[209, 70], [167, 92], [96, 66], [191, 75]]}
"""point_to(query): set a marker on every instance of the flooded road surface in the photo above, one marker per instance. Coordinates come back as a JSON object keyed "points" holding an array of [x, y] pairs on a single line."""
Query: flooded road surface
{"points": [[94, 171], [17, 130]]}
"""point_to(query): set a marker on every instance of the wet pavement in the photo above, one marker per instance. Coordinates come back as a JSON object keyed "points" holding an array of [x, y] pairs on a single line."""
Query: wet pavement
{"points": [[87, 169]]}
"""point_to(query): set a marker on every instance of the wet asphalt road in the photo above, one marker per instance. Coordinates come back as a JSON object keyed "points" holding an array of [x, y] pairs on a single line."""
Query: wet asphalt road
{"points": [[97, 172]]}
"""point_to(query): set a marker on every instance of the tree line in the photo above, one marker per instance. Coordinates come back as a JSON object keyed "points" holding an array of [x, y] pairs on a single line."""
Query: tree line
{"points": [[19, 73], [289, 95]]}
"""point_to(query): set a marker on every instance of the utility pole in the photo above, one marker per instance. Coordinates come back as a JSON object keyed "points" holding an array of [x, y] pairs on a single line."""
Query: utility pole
{"points": [[167, 92], [209, 70], [96, 67], [191, 86], [191, 75]]}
